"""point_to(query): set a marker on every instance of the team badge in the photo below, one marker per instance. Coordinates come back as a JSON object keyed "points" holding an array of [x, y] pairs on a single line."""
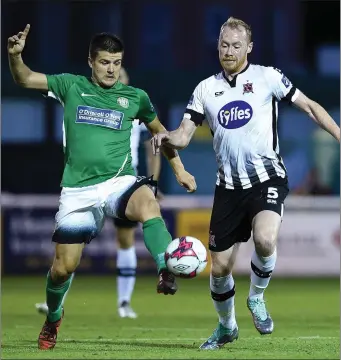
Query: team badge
{"points": [[124, 102], [247, 88]]}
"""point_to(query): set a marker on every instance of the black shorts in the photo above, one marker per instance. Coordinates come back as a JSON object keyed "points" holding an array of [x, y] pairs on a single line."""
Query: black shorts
{"points": [[234, 210]]}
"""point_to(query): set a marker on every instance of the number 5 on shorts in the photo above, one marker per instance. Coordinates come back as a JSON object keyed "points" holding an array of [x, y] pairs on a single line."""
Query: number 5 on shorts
{"points": [[272, 193]]}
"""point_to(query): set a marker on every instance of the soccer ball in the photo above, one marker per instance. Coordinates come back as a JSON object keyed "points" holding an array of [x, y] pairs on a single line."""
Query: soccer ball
{"points": [[186, 257]]}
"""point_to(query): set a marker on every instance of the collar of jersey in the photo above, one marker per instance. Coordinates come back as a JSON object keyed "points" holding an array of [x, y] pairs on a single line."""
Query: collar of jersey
{"points": [[232, 82], [114, 88]]}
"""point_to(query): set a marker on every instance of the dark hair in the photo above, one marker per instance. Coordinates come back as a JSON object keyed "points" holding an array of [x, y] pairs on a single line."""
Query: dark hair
{"points": [[105, 42]]}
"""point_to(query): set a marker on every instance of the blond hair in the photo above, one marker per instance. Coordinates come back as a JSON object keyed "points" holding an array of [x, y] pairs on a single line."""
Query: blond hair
{"points": [[234, 23]]}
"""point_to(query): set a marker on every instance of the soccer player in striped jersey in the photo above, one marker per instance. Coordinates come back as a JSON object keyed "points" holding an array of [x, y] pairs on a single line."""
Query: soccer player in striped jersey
{"points": [[126, 261], [240, 106]]}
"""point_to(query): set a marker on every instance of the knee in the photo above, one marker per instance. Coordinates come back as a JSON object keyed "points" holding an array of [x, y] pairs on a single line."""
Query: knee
{"points": [[265, 242], [142, 205], [149, 210], [125, 238], [63, 267], [220, 266]]}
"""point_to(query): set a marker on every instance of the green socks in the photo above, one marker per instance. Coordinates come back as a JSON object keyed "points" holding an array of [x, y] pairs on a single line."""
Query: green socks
{"points": [[55, 295], [156, 239]]}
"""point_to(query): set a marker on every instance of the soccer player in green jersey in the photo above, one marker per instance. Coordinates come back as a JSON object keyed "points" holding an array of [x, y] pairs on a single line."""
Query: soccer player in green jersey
{"points": [[98, 180], [126, 261]]}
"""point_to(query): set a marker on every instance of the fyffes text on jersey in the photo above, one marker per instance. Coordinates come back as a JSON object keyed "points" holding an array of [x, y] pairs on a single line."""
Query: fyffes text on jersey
{"points": [[235, 114]]}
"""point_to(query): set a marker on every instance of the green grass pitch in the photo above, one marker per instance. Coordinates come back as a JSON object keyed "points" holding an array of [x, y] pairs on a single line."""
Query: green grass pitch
{"points": [[306, 313]]}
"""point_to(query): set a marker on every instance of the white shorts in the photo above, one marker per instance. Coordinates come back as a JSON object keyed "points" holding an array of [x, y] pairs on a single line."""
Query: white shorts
{"points": [[82, 211]]}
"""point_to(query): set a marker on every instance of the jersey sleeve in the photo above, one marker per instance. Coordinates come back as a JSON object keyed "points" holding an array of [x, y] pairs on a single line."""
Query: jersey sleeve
{"points": [[281, 86], [59, 85], [195, 107], [146, 112]]}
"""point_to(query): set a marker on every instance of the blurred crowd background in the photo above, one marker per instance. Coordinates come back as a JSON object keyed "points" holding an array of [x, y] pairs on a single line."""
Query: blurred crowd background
{"points": [[170, 47]]}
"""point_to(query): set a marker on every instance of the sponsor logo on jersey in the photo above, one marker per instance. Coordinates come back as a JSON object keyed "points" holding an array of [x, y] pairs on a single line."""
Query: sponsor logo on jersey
{"points": [[218, 93], [124, 102], [235, 114], [286, 82], [101, 117]]}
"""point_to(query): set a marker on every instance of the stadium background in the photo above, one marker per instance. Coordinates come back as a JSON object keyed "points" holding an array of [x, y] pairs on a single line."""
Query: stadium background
{"points": [[170, 47]]}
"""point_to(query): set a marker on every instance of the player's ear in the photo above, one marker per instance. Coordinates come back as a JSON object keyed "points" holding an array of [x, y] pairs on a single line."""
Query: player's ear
{"points": [[90, 62], [249, 47]]}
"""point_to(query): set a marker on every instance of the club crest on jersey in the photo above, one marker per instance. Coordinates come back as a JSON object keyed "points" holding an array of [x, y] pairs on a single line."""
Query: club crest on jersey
{"points": [[247, 88], [235, 114], [124, 102]]}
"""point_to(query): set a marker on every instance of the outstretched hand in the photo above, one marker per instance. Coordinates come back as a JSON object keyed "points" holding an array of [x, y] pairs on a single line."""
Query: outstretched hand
{"points": [[16, 43]]}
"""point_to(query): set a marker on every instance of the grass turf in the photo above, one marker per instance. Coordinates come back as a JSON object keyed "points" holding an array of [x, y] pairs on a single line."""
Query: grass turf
{"points": [[306, 313]]}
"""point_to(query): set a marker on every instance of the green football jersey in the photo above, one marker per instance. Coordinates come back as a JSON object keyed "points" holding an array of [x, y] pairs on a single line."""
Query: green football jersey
{"points": [[97, 127]]}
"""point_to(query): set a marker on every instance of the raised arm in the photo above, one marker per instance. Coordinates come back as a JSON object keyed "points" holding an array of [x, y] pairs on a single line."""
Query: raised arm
{"points": [[21, 73]]}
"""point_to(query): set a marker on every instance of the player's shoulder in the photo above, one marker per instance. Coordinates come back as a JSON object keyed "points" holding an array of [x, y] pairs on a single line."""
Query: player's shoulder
{"points": [[133, 90], [267, 71], [74, 77], [270, 74], [65, 77], [210, 82], [76, 81]]}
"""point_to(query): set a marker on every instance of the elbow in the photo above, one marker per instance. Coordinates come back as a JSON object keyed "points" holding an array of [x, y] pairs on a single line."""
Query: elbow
{"points": [[183, 141], [21, 82], [183, 144]]}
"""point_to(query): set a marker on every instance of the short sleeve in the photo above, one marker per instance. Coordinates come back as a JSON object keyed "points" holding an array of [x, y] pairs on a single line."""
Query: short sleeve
{"points": [[195, 107], [280, 85], [59, 85], [146, 112]]}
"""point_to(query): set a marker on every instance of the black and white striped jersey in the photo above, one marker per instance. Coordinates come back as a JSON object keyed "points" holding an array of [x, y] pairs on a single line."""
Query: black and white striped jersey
{"points": [[242, 115]]}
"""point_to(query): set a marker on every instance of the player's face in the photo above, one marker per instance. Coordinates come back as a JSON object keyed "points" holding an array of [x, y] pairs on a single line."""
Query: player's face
{"points": [[233, 46], [106, 68]]}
